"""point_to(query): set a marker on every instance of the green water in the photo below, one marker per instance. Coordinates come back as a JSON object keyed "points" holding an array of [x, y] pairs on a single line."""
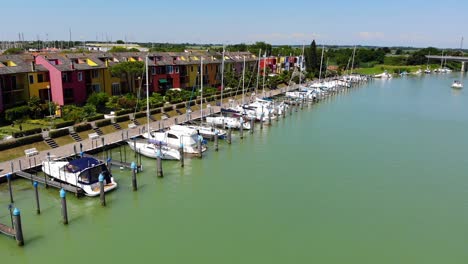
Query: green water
{"points": [[374, 175]]}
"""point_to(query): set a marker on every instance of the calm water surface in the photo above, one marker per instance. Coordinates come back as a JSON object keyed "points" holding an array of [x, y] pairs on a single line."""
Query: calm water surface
{"points": [[374, 175]]}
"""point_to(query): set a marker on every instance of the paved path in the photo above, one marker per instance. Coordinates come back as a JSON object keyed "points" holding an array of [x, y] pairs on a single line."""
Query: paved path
{"points": [[111, 138]]}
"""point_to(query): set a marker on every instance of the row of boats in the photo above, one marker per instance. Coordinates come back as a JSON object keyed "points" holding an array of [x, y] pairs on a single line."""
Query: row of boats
{"points": [[190, 139]]}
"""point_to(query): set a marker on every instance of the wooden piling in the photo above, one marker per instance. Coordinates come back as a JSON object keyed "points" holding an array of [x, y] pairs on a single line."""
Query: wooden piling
{"points": [[18, 227], [36, 191], [181, 153], [159, 164], [261, 121], [10, 190], [200, 147], [63, 199], [102, 193], [241, 129], [134, 168], [216, 141], [252, 122]]}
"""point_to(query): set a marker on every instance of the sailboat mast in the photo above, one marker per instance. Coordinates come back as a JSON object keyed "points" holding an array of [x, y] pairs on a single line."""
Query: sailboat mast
{"points": [[321, 61], [222, 77], [442, 60], [258, 70], [301, 65], [243, 81], [264, 73], [201, 86], [352, 64], [147, 96]]}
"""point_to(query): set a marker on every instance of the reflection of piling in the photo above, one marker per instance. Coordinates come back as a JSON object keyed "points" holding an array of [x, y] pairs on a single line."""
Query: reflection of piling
{"points": [[38, 206], [18, 227], [200, 147], [63, 197], [229, 135], [8, 176], [181, 154], [102, 194], [252, 125], [216, 141]]}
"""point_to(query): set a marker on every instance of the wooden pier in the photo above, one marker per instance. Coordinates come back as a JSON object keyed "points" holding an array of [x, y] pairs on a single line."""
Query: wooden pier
{"points": [[52, 183], [6, 230]]}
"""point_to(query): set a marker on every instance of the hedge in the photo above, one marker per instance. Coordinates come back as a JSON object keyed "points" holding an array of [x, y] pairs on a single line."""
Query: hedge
{"points": [[168, 108], [82, 127], [123, 112], [155, 111], [59, 133], [122, 118], [27, 132], [140, 114], [64, 124], [102, 123], [96, 117], [13, 143], [191, 103], [179, 106]]}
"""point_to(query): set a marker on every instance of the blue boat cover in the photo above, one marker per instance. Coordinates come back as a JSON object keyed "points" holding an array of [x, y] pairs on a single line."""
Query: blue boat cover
{"points": [[82, 164]]}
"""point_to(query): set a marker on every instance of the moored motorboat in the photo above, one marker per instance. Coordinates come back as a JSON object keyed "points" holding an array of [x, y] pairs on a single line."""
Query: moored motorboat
{"points": [[457, 84]]}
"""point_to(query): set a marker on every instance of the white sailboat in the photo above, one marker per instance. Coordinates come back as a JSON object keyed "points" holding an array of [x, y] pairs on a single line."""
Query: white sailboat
{"points": [[457, 84], [83, 173], [149, 147]]}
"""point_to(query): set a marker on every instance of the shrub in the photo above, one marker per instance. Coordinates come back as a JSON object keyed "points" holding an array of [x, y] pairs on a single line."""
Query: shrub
{"points": [[123, 112], [102, 123], [27, 132], [179, 106], [64, 124], [140, 114], [58, 133], [168, 108], [13, 143], [155, 111], [82, 127], [96, 117], [122, 118], [17, 113]]}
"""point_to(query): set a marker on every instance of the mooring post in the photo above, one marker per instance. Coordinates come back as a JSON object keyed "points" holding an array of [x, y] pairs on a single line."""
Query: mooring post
{"points": [[134, 147], [241, 129], [8, 176], [216, 141], [175, 121], [108, 164], [159, 168], [199, 145], [269, 117], [181, 153], [63, 198], [18, 227], [261, 121], [20, 167], [252, 122], [74, 149], [134, 168], [229, 135], [102, 193], [81, 148], [36, 191], [139, 155]]}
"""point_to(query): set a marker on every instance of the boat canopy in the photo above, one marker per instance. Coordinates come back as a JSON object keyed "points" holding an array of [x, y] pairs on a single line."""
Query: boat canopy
{"points": [[82, 164]]}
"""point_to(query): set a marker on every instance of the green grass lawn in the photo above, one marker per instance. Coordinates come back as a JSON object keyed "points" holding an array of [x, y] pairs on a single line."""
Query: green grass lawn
{"points": [[107, 129], [377, 69], [62, 141], [17, 152]]}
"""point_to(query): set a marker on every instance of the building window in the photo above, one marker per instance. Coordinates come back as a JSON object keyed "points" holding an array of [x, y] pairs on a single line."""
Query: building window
{"points": [[169, 70], [40, 78], [64, 77], [31, 79], [44, 94], [176, 69], [159, 70], [191, 68], [80, 76], [95, 74], [96, 88], [153, 70], [116, 89]]}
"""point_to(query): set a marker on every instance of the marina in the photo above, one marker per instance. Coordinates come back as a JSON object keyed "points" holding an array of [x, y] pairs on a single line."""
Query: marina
{"points": [[362, 165]]}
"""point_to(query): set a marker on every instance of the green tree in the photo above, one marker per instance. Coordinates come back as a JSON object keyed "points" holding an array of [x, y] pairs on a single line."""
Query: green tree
{"points": [[19, 113], [13, 51], [34, 104], [89, 110], [98, 100], [312, 61], [73, 112], [120, 41], [130, 70]]}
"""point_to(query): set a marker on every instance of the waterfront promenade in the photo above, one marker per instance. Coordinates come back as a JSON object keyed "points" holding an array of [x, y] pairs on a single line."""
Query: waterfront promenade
{"points": [[112, 138]]}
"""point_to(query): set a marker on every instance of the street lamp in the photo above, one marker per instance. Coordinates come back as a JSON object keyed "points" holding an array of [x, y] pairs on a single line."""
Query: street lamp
{"points": [[50, 109]]}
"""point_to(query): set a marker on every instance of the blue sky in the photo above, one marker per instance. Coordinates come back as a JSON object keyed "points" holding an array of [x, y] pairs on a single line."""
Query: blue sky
{"points": [[382, 23]]}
